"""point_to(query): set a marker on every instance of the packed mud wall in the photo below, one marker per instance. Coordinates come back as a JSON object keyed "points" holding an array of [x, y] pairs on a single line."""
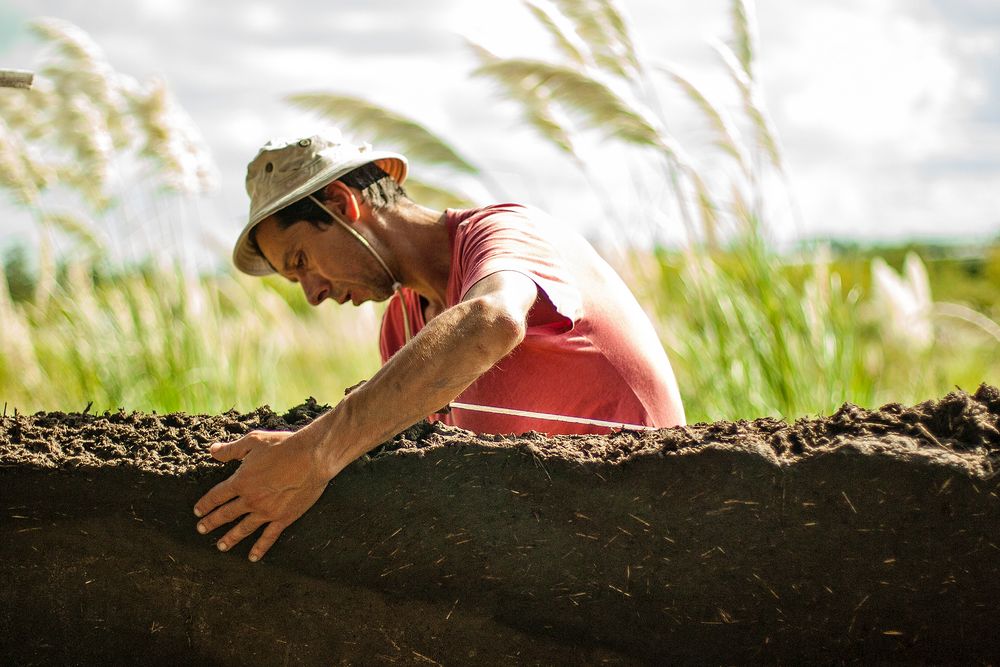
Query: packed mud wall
{"points": [[865, 535]]}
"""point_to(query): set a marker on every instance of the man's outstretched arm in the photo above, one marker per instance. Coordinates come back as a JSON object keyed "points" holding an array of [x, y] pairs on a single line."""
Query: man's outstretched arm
{"points": [[284, 474]]}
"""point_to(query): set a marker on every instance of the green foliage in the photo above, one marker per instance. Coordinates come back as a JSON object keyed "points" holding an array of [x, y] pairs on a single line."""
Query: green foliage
{"points": [[159, 339], [966, 275], [727, 352], [751, 339], [17, 273]]}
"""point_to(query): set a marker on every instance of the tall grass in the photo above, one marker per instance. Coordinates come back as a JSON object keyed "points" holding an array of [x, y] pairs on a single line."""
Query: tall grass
{"points": [[160, 339], [752, 338], [749, 333], [77, 151], [745, 338]]}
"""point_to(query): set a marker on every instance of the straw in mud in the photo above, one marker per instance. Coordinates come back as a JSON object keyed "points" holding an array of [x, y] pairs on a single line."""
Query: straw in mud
{"points": [[15, 78]]}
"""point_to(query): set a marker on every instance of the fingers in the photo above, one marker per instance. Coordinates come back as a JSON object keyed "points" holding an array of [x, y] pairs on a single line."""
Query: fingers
{"points": [[228, 512], [236, 534], [266, 540], [221, 493], [235, 450]]}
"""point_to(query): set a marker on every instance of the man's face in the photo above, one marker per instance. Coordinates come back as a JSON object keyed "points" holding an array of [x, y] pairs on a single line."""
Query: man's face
{"points": [[327, 261]]}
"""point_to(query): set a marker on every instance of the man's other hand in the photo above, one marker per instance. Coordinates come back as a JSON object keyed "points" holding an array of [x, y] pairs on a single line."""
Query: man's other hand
{"points": [[277, 482]]}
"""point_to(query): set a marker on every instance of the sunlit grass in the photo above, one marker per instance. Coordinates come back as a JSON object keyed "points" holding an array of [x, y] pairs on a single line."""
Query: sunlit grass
{"points": [[162, 340], [750, 339], [756, 334], [753, 335], [82, 148]]}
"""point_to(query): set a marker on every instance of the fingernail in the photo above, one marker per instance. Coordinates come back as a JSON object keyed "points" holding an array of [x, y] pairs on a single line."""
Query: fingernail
{"points": [[197, 512], [254, 558], [222, 546], [202, 529]]}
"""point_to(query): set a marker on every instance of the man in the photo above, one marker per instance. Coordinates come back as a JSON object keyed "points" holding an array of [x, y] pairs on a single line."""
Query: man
{"points": [[499, 309]]}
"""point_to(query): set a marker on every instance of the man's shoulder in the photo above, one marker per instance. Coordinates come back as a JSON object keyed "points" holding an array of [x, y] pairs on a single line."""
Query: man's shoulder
{"points": [[469, 216], [522, 217]]}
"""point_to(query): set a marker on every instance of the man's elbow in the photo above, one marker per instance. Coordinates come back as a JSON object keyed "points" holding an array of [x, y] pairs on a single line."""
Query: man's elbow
{"points": [[500, 331]]}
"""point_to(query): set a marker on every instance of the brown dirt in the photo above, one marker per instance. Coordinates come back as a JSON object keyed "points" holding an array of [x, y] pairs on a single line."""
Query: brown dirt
{"points": [[864, 536]]}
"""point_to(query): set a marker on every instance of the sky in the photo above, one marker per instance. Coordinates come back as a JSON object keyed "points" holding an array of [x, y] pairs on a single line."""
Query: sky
{"points": [[888, 111]]}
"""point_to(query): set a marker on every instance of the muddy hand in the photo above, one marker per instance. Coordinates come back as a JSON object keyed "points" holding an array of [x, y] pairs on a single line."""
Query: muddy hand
{"points": [[275, 485]]}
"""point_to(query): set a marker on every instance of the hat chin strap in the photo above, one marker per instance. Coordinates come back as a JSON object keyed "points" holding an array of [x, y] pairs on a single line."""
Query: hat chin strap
{"points": [[396, 285]]}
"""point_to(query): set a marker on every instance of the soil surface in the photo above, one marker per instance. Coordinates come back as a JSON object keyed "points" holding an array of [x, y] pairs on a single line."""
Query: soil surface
{"points": [[863, 536]]}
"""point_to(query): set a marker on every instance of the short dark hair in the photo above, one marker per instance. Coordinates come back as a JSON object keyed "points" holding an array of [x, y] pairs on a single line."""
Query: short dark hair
{"points": [[378, 190]]}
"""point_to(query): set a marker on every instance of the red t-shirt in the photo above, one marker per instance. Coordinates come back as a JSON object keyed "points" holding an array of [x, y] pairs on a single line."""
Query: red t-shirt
{"points": [[590, 351]]}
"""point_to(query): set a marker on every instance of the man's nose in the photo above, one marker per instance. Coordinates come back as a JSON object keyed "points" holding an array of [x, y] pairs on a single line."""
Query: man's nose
{"points": [[315, 292]]}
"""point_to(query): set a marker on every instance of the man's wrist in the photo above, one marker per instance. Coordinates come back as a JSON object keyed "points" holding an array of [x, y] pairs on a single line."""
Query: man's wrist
{"points": [[316, 439]]}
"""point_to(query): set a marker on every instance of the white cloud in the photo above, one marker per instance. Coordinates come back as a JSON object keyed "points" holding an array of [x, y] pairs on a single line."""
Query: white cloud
{"points": [[872, 77], [506, 28], [865, 93], [260, 17], [164, 10]]}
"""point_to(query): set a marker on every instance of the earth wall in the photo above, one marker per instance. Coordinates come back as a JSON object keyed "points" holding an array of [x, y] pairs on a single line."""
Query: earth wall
{"points": [[866, 535]]}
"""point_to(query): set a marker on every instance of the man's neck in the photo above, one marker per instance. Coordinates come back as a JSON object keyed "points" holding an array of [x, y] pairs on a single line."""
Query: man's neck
{"points": [[418, 238]]}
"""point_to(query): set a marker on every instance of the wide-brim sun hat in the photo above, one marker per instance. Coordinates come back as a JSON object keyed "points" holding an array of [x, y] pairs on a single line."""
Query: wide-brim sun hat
{"points": [[285, 171]]}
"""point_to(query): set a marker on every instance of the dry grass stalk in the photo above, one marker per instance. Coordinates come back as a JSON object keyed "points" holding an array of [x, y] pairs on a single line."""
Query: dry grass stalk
{"points": [[86, 120], [744, 26], [537, 108], [600, 25], [579, 94], [753, 104], [434, 196], [567, 41], [415, 140], [968, 315], [13, 78], [171, 139], [728, 136], [15, 174]]}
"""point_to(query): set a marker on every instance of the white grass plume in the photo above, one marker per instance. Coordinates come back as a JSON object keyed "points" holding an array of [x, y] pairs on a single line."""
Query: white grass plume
{"points": [[591, 100], [383, 125], [905, 302]]}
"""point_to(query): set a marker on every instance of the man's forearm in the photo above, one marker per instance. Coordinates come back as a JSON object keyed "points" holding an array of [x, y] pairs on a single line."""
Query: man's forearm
{"points": [[447, 356]]}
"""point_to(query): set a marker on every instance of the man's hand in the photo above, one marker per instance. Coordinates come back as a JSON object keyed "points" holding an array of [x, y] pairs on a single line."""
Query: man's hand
{"points": [[280, 478], [284, 474]]}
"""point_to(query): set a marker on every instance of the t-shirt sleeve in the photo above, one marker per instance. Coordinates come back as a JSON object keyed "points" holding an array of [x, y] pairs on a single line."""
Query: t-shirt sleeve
{"points": [[511, 241]]}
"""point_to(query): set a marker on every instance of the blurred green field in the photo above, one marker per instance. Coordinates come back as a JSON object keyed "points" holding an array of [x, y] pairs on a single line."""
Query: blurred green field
{"points": [[875, 365], [156, 339]]}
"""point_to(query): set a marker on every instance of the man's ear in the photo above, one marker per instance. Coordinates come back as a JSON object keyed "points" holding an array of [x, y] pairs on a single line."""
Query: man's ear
{"points": [[341, 199]]}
